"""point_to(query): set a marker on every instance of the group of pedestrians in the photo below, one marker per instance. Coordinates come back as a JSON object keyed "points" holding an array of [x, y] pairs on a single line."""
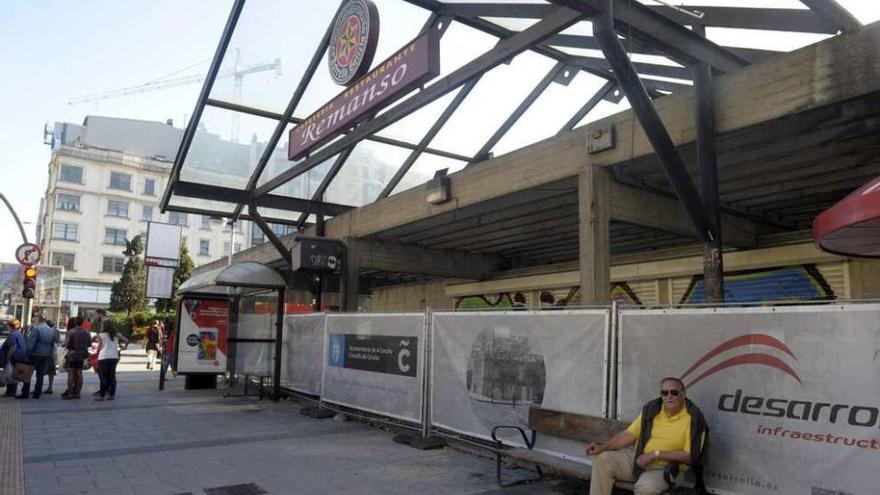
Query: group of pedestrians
{"points": [[35, 353]]}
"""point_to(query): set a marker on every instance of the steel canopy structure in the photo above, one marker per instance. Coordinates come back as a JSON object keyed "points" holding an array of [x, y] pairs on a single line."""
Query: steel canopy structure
{"points": [[487, 48]]}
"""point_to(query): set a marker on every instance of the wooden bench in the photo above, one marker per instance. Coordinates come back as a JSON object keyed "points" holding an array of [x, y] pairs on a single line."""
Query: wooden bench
{"points": [[577, 427]]}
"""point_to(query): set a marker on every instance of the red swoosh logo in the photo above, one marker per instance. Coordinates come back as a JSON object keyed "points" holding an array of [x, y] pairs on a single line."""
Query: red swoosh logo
{"points": [[742, 340], [753, 358]]}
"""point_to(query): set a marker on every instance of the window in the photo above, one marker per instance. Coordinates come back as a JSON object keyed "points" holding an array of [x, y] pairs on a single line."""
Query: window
{"points": [[281, 229], [206, 222], [150, 187], [204, 247], [147, 214], [226, 248], [67, 202], [177, 218], [113, 264], [120, 181], [64, 231], [257, 236], [70, 173], [117, 208], [115, 237], [237, 247], [63, 259]]}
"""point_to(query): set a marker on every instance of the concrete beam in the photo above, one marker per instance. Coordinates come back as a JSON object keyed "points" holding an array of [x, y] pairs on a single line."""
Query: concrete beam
{"points": [[370, 255], [647, 209]]}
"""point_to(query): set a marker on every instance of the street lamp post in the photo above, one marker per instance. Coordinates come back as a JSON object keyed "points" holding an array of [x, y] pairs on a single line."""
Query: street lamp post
{"points": [[217, 221]]}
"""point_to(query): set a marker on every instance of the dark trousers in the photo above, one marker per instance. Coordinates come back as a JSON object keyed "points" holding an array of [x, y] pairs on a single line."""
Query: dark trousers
{"points": [[107, 374], [40, 363]]}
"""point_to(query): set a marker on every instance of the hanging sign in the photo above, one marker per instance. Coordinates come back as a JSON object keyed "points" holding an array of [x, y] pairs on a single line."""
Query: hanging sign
{"points": [[412, 66], [353, 43]]}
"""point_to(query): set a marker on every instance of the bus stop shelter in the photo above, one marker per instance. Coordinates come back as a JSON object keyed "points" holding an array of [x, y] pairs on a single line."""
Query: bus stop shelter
{"points": [[224, 322]]}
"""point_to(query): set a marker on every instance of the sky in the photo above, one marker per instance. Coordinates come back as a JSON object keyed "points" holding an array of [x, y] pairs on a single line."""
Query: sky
{"points": [[54, 50]]}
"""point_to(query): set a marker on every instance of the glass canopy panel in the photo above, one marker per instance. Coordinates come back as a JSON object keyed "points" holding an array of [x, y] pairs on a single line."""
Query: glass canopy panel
{"points": [[423, 170], [304, 185], [270, 31], [226, 148], [414, 127], [366, 172], [494, 98], [277, 215], [550, 112], [762, 39], [221, 208], [512, 24]]}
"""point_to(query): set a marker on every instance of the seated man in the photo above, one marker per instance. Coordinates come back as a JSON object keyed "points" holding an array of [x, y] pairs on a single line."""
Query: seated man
{"points": [[669, 429]]}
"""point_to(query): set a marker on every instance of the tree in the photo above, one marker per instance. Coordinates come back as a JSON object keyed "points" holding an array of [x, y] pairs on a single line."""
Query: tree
{"points": [[183, 272], [129, 292]]}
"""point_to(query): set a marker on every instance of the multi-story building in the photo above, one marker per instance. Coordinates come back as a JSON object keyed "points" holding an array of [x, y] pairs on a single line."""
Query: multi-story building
{"points": [[106, 178]]}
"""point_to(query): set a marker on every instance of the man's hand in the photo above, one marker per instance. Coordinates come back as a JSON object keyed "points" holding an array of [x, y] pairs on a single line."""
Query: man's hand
{"points": [[645, 460], [594, 448]]}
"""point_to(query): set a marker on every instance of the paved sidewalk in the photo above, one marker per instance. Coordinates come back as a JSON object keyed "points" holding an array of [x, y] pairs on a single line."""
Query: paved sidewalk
{"points": [[196, 442]]}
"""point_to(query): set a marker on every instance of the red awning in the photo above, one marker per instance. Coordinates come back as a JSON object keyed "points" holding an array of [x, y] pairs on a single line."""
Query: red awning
{"points": [[852, 226]]}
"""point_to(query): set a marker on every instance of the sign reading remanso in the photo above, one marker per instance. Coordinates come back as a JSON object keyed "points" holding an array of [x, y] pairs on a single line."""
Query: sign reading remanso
{"points": [[412, 66], [377, 353]]}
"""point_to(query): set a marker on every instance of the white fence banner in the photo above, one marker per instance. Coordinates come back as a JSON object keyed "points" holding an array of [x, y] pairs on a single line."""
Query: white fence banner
{"points": [[375, 362], [303, 349], [791, 393], [489, 368]]}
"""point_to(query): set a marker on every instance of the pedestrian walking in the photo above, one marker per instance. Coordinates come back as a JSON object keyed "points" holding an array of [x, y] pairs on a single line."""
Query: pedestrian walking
{"points": [[108, 358], [13, 350], [52, 366], [40, 340], [151, 344], [77, 345]]}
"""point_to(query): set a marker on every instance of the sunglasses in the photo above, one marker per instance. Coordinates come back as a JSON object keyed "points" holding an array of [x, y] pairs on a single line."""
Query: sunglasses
{"points": [[673, 392]]}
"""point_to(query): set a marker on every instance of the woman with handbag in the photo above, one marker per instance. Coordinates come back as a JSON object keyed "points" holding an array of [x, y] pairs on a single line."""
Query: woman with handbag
{"points": [[77, 345], [108, 358], [12, 351]]}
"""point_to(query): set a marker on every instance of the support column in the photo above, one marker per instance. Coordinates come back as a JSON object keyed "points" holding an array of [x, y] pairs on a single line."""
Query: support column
{"points": [[594, 237], [713, 266], [350, 289]]}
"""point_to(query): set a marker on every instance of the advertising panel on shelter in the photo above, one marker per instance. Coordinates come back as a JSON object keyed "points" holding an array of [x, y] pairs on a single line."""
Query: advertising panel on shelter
{"points": [[375, 362], [490, 368], [204, 327], [303, 350], [790, 393]]}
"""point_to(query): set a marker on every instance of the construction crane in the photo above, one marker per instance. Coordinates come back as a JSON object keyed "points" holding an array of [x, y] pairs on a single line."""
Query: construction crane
{"points": [[238, 72]]}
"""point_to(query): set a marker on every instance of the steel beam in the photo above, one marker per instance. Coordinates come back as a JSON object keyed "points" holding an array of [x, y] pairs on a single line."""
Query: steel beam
{"points": [[773, 19], [542, 85], [429, 136], [673, 165], [228, 194], [190, 131], [655, 29], [713, 263], [503, 51], [317, 58], [835, 13], [633, 46], [643, 68], [589, 105]]}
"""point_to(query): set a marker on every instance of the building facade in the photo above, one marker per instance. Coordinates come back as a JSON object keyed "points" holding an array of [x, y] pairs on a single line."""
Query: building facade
{"points": [[106, 178]]}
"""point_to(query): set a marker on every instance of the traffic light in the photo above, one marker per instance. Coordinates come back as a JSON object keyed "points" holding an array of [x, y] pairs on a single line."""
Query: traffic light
{"points": [[29, 283]]}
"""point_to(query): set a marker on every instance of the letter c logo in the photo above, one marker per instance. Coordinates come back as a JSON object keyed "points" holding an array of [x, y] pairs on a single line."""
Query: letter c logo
{"points": [[404, 353]]}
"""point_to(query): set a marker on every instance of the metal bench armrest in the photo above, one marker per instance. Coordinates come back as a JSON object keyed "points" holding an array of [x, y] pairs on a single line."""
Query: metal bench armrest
{"points": [[530, 443]]}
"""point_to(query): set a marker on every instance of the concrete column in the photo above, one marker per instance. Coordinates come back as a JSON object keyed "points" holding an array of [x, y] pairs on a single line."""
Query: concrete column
{"points": [[594, 236], [350, 288]]}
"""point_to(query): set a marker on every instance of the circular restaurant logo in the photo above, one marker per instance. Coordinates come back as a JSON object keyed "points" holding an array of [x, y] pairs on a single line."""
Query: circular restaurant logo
{"points": [[353, 44]]}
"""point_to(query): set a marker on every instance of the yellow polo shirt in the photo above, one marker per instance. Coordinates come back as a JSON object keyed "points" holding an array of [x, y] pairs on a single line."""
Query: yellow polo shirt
{"points": [[668, 433]]}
